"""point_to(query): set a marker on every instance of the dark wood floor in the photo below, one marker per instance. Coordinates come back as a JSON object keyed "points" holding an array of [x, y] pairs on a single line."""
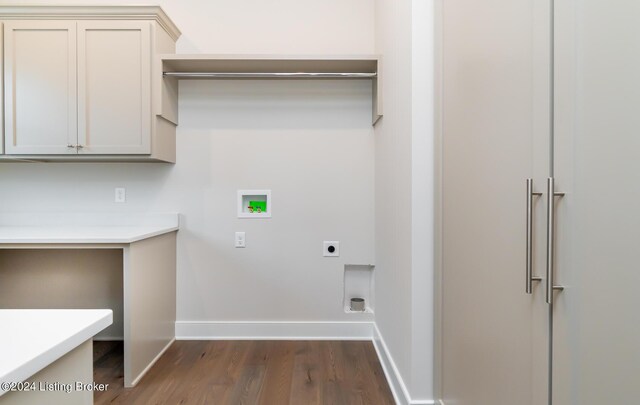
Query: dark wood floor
{"points": [[249, 372]]}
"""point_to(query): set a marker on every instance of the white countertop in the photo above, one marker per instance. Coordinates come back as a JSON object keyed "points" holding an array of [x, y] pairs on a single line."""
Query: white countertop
{"points": [[84, 228], [80, 234], [31, 339]]}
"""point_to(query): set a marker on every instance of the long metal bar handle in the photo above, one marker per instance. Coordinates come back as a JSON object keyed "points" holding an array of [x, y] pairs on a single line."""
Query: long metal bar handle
{"points": [[551, 194], [530, 278]]}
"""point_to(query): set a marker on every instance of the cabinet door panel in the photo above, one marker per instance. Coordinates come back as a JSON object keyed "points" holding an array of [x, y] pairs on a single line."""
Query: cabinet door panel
{"points": [[597, 148], [114, 82], [40, 87], [495, 135]]}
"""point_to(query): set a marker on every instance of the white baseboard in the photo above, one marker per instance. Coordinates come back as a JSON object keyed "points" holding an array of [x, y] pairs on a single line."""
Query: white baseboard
{"points": [[146, 369], [186, 330], [396, 383]]}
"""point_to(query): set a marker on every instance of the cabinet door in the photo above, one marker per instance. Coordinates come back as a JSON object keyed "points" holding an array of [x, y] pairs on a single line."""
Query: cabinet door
{"points": [[114, 87], [40, 87], [495, 135], [597, 164]]}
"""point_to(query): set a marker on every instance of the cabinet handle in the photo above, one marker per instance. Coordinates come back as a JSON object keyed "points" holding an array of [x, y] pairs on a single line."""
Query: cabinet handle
{"points": [[551, 194], [71, 146], [80, 146], [529, 260]]}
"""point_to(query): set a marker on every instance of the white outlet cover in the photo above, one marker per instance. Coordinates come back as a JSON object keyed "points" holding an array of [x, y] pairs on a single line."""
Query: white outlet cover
{"points": [[120, 195], [327, 250], [241, 240]]}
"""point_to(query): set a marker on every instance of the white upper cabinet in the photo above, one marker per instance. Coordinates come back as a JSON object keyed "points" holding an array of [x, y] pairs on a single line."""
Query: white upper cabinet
{"points": [[85, 83], [114, 87], [40, 87]]}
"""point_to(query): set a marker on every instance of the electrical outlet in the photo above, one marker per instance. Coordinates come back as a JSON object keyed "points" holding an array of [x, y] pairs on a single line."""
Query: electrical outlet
{"points": [[121, 195], [240, 240], [331, 248]]}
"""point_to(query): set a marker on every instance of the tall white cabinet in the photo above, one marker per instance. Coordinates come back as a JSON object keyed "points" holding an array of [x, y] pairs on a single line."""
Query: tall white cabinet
{"points": [[539, 276], [85, 83]]}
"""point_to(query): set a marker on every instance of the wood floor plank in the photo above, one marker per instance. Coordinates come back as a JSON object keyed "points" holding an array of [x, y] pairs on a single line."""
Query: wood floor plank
{"points": [[328, 360], [277, 380], [333, 391], [217, 370], [247, 389], [305, 383], [355, 361], [249, 372]]}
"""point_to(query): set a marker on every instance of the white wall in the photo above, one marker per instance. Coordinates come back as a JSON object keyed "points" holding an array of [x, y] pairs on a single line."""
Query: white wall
{"points": [[393, 183], [422, 198], [404, 192], [261, 26], [311, 143]]}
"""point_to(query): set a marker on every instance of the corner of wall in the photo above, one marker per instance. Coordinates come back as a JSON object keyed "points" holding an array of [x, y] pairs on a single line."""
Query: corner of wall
{"points": [[405, 221], [395, 379]]}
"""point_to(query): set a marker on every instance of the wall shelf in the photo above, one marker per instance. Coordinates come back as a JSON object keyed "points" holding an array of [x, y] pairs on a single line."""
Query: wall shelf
{"points": [[274, 67]]}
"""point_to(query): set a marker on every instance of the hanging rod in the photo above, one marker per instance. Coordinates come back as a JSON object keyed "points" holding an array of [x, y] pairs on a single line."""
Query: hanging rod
{"points": [[268, 75]]}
